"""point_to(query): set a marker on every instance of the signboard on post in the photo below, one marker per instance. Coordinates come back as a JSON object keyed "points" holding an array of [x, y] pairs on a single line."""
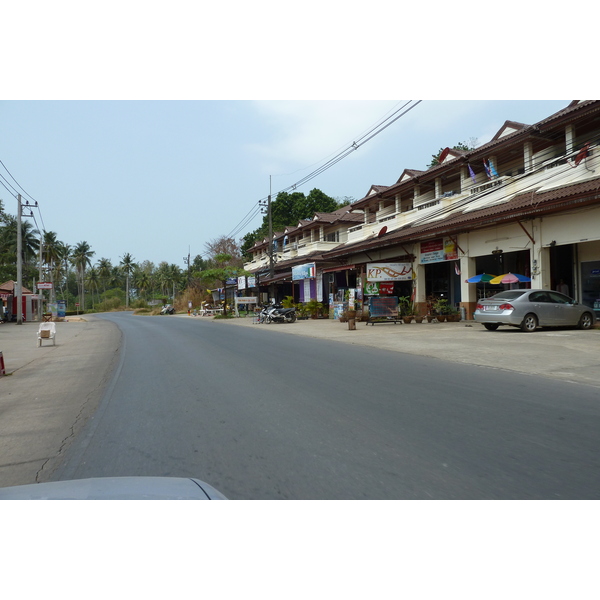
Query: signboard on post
{"points": [[45, 285]]}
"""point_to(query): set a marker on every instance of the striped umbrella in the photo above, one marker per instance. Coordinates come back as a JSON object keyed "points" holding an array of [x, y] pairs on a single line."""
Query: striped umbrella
{"points": [[510, 278]]}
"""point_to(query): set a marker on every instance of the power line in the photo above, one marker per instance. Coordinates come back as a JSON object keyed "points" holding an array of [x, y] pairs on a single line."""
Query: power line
{"points": [[25, 192], [355, 145]]}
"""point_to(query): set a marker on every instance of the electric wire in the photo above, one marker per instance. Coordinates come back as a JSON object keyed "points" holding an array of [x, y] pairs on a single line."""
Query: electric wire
{"points": [[365, 137]]}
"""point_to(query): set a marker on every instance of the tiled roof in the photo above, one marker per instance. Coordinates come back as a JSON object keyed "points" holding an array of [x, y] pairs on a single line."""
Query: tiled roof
{"points": [[9, 286]]}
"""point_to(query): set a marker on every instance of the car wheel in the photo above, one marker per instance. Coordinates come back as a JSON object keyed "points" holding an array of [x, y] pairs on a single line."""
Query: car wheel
{"points": [[529, 323], [491, 326], [586, 321]]}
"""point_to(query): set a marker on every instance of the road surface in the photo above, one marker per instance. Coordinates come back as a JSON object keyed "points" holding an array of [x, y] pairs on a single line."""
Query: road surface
{"points": [[263, 416]]}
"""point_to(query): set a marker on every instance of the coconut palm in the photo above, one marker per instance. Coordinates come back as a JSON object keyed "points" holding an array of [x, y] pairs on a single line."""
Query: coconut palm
{"points": [[62, 266], [92, 279], [51, 255], [104, 270], [127, 266], [82, 258], [142, 280]]}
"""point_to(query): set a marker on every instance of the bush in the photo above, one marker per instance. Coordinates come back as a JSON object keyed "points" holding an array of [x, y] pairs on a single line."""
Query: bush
{"points": [[109, 304]]}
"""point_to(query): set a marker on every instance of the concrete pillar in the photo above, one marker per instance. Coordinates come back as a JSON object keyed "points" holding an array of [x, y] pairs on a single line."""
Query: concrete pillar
{"points": [[569, 138], [468, 291], [528, 156], [438, 187], [421, 294]]}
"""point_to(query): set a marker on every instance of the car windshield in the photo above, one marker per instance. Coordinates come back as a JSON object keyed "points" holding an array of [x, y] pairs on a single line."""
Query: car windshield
{"points": [[508, 295]]}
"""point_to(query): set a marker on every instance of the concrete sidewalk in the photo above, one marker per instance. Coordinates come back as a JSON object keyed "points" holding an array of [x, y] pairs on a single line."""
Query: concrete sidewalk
{"points": [[49, 392], [566, 354]]}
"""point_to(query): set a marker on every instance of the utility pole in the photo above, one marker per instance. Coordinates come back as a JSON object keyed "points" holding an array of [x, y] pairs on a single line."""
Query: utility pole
{"points": [[187, 262], [18, 291], [271, 262], [271, 265], [40, 275]]}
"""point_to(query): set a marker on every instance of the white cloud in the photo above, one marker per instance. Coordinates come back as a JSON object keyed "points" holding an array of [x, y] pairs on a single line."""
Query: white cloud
{"points": [[308, 133]]}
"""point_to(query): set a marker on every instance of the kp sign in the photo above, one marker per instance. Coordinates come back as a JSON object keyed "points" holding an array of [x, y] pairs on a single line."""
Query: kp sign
{"points": [[389, 272]]}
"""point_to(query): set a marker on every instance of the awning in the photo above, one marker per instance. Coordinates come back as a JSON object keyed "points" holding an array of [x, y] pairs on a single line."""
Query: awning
{"points": [[279, 277], [339, 268]]}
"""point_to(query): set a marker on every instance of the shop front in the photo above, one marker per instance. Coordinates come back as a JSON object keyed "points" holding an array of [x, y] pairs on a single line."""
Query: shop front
{"points": [[388, 280], [441, 268]]}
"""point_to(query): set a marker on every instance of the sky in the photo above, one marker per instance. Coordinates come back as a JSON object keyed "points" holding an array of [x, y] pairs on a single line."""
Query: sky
{"points": [[158, 179], [152, 128]]}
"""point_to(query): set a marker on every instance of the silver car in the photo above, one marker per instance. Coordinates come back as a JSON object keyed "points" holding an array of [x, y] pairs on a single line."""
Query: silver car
{"points": [[530, 309]]}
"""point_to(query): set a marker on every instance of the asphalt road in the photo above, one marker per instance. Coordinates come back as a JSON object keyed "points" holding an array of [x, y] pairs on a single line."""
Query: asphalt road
{"points": [[264, 416]]}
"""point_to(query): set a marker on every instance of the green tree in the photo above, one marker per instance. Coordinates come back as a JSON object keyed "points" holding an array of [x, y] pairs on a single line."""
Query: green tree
{"points": [[464, 146], [81, 257], [221, 271], [104, 271], [127, 266], [93, 279], [288, 210]]}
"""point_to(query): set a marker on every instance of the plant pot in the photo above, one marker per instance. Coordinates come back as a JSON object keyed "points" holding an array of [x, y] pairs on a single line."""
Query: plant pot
{"points": [[407, 320], [351, 314], [440, 318], [429, 318], [419, 319]]}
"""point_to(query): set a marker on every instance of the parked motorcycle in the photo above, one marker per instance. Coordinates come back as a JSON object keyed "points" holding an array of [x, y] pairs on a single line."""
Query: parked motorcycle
{"points": [[275, 313], [167, 309]]}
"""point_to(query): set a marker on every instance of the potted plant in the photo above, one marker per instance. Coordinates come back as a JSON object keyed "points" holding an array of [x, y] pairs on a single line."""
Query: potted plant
{"points": [[441, 308], [288, 302], [314, 307], [453, 314], [301, 311], [406, 308]]}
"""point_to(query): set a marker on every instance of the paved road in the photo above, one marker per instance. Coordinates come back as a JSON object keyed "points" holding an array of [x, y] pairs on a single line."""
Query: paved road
{"points": [[52, 391], [259, 414]]}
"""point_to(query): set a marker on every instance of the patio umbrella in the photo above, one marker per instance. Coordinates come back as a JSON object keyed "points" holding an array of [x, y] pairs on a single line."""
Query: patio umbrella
{"points": [[482, 277], [510, 278], [485, 277]]}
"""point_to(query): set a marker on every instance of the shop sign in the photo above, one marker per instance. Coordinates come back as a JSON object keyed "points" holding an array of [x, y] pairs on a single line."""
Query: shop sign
{"points": [[377, 288], [438, 250], [305, 271], [389, 272], [45, 285], [242, 283]]}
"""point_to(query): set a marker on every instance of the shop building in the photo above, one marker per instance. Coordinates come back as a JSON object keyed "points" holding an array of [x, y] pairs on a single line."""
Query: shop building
{"points": [[527, 202]]}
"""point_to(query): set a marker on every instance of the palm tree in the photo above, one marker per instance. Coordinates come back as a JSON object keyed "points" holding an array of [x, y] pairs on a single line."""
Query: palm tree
{"points": [[174, 277], [51, 255], [62, 268], [104, 270], [81, 258], [93, 279], [142, 280], [127, 266], [29, 239]]}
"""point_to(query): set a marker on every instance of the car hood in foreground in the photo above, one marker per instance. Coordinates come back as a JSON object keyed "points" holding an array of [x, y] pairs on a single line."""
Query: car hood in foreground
{"points": [[115, 488]]}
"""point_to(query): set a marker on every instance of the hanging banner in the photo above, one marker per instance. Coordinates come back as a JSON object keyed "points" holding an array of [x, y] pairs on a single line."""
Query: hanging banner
{"points": [[438, 250], [389, 271]]}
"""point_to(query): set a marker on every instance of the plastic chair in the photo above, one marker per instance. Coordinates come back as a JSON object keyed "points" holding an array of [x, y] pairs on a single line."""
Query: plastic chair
{"points": [[47, 331]]}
